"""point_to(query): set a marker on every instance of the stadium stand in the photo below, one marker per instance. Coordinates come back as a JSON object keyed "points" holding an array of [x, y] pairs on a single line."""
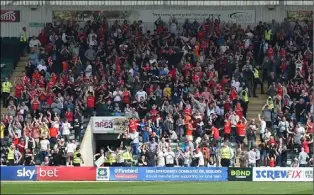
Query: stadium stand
{"points": [[189, 94]]}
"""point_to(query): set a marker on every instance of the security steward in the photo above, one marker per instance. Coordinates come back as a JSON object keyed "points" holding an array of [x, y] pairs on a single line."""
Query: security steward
{"points": [[226, 154], [77, 158], [257, 81], [6, 90], [127, 156], [270, 103], [11, 156], [23, 41], [245, 98]]}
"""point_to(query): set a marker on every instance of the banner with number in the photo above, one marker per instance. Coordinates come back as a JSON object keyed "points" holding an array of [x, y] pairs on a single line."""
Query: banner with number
{"points": [[104, 125]]}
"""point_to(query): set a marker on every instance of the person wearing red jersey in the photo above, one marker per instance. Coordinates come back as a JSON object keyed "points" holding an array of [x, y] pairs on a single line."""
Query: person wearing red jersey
{"points": [[133, 125], [69, 115], [35, 103], [25, 79], [189, 130], [19, 88], [227, 129], [270, 51], [215, 133], [239, 110], [241, 132], [280, 90], [153, 113], [90, 103], [126, 96], [36, 75], [42, 96]]}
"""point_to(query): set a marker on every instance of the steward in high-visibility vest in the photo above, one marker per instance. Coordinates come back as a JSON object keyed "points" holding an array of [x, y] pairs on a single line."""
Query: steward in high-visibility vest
{"points": [[10, 156], [6, 89], [77, 159], [270, 102], [23, 36], [226, 155], [256, 82], [128, 159], [268, 34], [245, 96], [256, 73], [111, 158], [127, 156]]}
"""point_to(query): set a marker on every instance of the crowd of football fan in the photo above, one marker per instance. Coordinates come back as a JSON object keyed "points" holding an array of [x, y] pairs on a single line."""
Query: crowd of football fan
{"points": [[185, 88]]}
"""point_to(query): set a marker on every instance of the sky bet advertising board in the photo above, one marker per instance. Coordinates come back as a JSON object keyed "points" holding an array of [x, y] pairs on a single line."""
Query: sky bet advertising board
{"points": [[167, 174], [18, 173], [282, 174]]}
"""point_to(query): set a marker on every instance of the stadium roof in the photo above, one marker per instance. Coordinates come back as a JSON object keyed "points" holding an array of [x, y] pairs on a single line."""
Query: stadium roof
{"points": [[160, 2]]}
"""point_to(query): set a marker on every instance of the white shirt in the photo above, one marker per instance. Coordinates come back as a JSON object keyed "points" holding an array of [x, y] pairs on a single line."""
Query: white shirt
{"points": [[88, 70], [44, 145], [34, 43], [301, 130], [66, 129], [90, 39], [160, 159], [200, 156], [173, 28], [252, 157], [223, 48], [117, 96], [247, 43], [134, 137], [70, 148], [64, 39], [140, 94], [55, 124], [263, 126], [93, 42], [235, 84], [41, 67], [169, 157]]}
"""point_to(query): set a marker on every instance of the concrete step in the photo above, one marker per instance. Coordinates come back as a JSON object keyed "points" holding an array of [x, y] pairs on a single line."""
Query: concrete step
{"points": [[20, 65], [255, 109], [24, 58], [3, 110]]}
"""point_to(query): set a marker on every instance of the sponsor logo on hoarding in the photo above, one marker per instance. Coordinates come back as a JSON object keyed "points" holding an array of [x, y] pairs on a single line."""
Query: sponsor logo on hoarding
{"points": [[126, 173], [102, 173], [282, 174], [276, 174], [10, 16], [27, 173], [309, 174], [66, 173], [241, 16], [18, 173], [240, 174]]}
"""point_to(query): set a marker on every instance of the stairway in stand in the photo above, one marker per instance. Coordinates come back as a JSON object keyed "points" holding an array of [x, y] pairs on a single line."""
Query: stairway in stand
{"points": [[254, 108], [18, 72]]}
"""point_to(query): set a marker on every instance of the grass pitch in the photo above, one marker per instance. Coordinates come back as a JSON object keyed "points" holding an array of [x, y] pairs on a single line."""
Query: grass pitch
{"points": [[156, 187]]}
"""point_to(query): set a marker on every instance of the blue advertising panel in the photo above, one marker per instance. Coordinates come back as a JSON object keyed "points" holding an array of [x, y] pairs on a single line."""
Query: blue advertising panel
{"points": [[18, 173], [168, 174]]}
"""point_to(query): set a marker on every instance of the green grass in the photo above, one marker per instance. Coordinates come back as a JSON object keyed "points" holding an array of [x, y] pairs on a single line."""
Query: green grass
{"points": [[156, 188]]}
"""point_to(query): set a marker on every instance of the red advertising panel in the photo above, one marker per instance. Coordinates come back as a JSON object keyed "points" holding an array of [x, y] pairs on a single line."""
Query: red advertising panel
{"points": [[10, 16], [66, 173]]}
